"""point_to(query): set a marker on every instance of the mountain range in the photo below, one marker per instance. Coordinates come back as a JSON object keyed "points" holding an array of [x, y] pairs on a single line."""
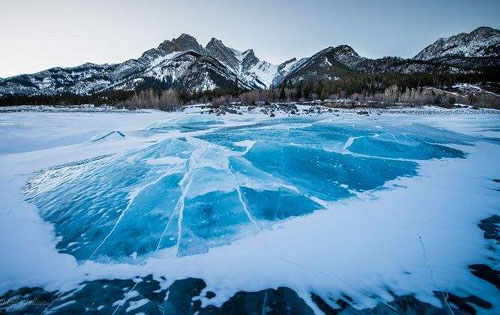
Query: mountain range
{"points": [[182, 63]]}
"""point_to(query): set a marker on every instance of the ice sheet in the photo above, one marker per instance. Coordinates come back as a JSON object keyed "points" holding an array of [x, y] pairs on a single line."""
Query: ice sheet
{"points": [[343, 205]]}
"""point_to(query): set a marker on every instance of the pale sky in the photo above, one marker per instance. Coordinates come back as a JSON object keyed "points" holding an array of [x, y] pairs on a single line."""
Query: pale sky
{"points": [[39, 34]]}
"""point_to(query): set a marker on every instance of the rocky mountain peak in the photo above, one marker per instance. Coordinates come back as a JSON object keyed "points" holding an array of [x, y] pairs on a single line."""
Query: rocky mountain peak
{"points": [[226, 55], [346, 50], [249, 56], [214, 42], [249, 53], [347, 55], [484, 31], [249, 59], [184, 42]]}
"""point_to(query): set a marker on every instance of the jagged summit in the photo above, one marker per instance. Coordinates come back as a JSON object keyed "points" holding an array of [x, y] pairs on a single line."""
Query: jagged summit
{"points": [[249, 58], [184, 42], [223, 53], [346, 49], [214, 42]]}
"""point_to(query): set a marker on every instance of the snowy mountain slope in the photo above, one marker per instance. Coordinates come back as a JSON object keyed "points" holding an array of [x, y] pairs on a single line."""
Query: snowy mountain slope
{"points": [[184, 70], [284, 69], [178, 63], [482, 42], [250, 70], [79, 80], [322, 66], [477, 51]]}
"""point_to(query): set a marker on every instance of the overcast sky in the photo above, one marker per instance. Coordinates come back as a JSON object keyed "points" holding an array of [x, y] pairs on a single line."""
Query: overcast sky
{"points": [[36, 34]]}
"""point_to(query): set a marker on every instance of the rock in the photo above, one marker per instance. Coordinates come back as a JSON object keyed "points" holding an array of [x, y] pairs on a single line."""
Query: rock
{"points": [[210, 295], [486, 273]]}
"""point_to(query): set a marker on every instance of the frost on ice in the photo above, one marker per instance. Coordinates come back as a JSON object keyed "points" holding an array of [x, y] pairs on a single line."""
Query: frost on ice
{"points": [[186, 194]]}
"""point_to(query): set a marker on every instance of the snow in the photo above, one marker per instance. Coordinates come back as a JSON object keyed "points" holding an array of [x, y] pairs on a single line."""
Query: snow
{"points": [[289, 68], [260, 74], [393, 203], [166, 160], [263, 72], [468, 86], [161, 59], [482, 42], [136, 304]]}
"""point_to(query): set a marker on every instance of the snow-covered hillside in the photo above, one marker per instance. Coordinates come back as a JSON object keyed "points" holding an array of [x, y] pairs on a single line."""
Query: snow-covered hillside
{"points": [[482, 42]]}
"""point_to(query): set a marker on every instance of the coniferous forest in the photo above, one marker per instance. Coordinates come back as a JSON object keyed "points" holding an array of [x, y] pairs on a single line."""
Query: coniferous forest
{"points": [[386, 88]]}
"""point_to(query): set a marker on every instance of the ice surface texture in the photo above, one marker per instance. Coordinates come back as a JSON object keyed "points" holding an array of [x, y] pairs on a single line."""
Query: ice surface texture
{"points": [[184, 195]]}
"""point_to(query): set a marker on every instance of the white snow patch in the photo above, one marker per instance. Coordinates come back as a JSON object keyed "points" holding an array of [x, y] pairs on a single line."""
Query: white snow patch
{"points": [[166, 160], [136, 304]]}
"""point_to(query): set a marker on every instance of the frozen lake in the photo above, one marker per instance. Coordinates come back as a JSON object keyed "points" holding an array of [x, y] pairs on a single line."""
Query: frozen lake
{"points": [[331, 205]]}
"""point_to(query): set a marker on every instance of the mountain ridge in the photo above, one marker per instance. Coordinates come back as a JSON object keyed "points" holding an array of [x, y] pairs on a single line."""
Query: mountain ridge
{"points": [[182, 63], [481, 42]]}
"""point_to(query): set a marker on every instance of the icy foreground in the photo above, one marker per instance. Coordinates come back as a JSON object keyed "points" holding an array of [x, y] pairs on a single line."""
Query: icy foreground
{"points": [[332, 205]]}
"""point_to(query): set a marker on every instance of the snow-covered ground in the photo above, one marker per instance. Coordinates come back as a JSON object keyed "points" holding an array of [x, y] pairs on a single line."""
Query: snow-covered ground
{"points": [[333, 204]]}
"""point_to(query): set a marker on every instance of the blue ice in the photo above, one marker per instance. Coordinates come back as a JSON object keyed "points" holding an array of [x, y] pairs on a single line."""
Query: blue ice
{"points": [[187, 195]]}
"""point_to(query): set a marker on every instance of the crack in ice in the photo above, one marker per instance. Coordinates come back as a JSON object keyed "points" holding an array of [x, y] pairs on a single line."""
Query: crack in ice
{"points": [[329, 276], [431, 271], [181, 211], [132, 198], [243, 204]]}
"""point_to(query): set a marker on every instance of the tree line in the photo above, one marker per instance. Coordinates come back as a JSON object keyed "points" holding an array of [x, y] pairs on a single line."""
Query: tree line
{"points": [[425, 88]]}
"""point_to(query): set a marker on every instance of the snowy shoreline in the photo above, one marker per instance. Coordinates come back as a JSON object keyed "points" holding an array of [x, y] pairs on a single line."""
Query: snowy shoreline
{"points": [[292, 109]]}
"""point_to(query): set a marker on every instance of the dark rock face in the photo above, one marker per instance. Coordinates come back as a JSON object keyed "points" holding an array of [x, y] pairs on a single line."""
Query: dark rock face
{"points": [[347, 56], [184, 42], [92, 296], [486, 273], [146, 295], [270, 301], [249, 60], [181, 294], [226, 55], [491, 227]]}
